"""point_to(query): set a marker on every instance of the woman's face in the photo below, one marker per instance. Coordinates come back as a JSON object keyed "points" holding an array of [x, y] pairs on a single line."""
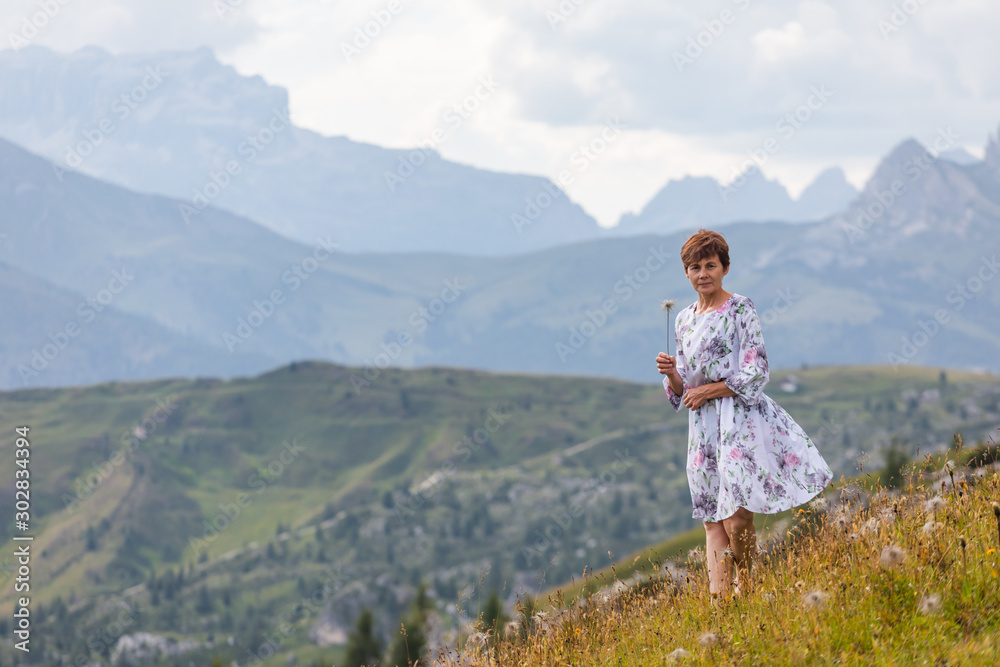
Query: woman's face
{"points": [[706, 275]]}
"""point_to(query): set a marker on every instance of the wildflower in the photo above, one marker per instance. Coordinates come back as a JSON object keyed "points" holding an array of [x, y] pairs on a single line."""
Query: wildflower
{"points": [[892, 556], [709, 639], [815, 600], [935, 505], [931, 527], [678, 654], [929, 603]]}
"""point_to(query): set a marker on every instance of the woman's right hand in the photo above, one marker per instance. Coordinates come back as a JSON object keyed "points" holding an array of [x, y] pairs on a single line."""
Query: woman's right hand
{"points": [[666, 364]]}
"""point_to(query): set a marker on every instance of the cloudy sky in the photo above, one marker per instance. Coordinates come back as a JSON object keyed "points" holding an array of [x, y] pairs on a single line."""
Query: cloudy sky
{"points": [[696, 85]]}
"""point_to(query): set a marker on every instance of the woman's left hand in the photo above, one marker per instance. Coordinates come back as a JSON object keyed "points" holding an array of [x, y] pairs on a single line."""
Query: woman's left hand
{"points": [[694, 397]]}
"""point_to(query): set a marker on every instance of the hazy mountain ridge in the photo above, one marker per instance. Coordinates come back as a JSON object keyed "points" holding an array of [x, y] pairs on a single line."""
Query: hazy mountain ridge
{"points": [[177, 119], [693, 202], [176, 134], [525, 312], [53, 337]]}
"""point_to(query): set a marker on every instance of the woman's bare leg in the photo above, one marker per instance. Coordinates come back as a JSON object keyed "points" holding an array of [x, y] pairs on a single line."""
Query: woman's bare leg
{"points": [[716, 542], [742, 536]]}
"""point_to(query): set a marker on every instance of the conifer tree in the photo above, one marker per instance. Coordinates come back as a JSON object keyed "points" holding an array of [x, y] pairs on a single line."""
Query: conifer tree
{"points": [[363, 647], [493, 619], [410, 642]]}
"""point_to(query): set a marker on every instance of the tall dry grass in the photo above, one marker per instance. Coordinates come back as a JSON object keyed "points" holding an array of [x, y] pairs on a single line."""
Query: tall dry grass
{"points": [[863, 577]]}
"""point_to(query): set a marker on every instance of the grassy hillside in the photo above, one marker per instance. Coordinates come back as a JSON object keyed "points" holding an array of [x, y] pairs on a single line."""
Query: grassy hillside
{"points": [[864, 577], [251, 494]]}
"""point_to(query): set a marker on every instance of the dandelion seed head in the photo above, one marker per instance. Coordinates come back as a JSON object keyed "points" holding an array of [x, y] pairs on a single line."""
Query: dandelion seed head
{"points": [[815, 600], [892, 557], [678, 654], [935, 505], [708, 639], [931, 527], [668, 304], [511, 627], [842, 521], [949, 466], [870, 526], [478, 639], [818, 505], [929, 604], [694, 554]]}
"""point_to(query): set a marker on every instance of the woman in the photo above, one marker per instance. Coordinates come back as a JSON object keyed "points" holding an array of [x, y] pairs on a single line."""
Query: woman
{"points": [[745, 453]]}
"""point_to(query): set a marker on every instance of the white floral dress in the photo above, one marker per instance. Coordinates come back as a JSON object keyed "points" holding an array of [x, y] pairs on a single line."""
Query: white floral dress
{"points": [[743, 450]]}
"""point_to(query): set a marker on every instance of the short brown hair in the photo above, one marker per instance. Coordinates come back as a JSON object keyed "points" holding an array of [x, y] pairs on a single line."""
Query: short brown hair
{"points": [[702, 245]]}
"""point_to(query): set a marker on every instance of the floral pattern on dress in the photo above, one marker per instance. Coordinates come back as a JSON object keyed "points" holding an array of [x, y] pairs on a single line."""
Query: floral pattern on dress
{"points": [[743, 450]]}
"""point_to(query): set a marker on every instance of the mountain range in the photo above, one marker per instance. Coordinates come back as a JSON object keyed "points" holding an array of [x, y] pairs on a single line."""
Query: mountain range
{"points": [[114, 283], [225, 288], [170, 123]]}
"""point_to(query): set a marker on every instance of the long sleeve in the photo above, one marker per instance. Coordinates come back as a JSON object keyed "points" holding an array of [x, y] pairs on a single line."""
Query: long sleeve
{"points": [[675, 400], [749, 380]]}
